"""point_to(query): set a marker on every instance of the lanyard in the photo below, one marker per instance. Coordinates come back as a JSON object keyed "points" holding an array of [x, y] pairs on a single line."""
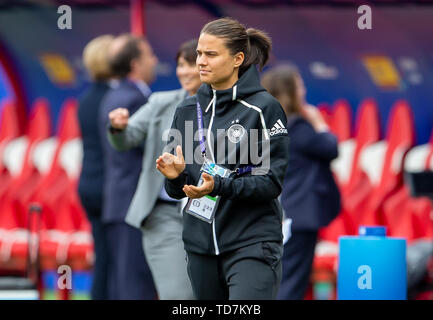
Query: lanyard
{"points": [[200, 130], [239, 171]]}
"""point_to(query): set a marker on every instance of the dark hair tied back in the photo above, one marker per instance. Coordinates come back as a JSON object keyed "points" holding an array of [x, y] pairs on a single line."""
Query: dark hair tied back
{"points": [[259, 48], [255, 44]]}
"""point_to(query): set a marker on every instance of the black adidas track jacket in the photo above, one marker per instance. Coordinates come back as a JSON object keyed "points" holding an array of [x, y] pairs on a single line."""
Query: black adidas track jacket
{"points": [[246, 123]]}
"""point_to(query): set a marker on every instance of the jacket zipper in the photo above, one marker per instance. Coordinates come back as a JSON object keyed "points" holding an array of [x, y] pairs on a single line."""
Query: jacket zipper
{"points": [[215, 242]]}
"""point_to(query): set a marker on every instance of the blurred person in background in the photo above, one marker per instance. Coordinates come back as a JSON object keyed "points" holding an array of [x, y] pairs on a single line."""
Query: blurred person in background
{"points": [[92, 173], [157, 214], [132, 62], [310, 196]]}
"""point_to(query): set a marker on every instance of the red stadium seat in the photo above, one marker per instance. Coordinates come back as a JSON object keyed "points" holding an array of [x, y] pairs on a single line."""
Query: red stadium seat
{"points": [[340, 125], [387, 165], [9, 127], [367, 132], [46, 182], [13, 218], [412, 217], [408, 217], [325, 111], [67, 237], [9, 130], [359, 185], [422, 219], [353, 182], [341, 120]]}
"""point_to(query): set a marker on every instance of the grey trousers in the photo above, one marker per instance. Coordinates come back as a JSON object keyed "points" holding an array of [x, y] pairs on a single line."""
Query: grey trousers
{"points": [[165, 253]]}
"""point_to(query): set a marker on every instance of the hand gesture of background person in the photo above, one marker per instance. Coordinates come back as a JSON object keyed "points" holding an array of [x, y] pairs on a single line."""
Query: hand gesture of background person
{"points": [[119, 118], [169, 165], [313, 115]]}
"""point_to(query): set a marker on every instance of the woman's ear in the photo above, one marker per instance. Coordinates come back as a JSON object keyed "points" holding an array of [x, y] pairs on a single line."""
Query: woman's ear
{"points": [[133, 64], [285, 102], [239, 59]]}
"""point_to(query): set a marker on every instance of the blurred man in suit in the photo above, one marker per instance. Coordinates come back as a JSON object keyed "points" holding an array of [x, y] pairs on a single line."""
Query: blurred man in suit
{"points": [[152, 210], [92, 173], [133, 62]]}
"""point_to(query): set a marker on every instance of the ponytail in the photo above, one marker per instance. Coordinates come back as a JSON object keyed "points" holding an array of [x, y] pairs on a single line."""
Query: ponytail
{"points": [[259, 48]]}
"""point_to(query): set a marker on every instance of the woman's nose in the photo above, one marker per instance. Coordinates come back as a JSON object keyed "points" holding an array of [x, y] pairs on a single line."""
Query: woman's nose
{"points": [[201, 60], [181, 73]]}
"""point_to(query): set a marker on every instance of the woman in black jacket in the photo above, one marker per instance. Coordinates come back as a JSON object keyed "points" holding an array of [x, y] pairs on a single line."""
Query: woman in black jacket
{"points": [[232, 221], [310, 196], [92, 174]]}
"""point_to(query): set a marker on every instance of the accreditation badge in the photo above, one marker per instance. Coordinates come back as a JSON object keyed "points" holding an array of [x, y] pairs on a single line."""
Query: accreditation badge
{"points": [[205, 207]]}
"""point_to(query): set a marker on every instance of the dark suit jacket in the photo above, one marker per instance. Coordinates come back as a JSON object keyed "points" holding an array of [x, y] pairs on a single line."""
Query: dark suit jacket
{"points": [[122, 169], [310, 196], [92, 172]]}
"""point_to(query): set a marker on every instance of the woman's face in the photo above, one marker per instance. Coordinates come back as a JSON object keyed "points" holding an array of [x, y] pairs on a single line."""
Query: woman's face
{"points": [[188, 75], [216, 65]]}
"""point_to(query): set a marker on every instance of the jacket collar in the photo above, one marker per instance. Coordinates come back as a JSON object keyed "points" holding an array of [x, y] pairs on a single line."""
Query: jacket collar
{"points": [[247, 84], [138, 85]]}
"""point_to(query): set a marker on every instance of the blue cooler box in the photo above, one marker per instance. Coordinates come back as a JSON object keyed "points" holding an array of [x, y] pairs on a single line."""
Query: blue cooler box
{"points": [[372, 266]]}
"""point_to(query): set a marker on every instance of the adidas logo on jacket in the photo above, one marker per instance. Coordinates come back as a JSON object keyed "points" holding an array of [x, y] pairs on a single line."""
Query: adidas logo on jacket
{"points": [[278, 128]]}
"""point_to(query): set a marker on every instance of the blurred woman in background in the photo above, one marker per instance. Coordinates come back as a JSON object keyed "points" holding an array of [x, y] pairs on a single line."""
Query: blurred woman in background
{"points": [[92, 172], [151, 209], [310, 196]]}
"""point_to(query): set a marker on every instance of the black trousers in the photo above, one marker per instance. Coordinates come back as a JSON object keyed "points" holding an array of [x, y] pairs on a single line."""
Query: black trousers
{"points": [[129, 276], [99, 289], [249, 273], [297, 263]]}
